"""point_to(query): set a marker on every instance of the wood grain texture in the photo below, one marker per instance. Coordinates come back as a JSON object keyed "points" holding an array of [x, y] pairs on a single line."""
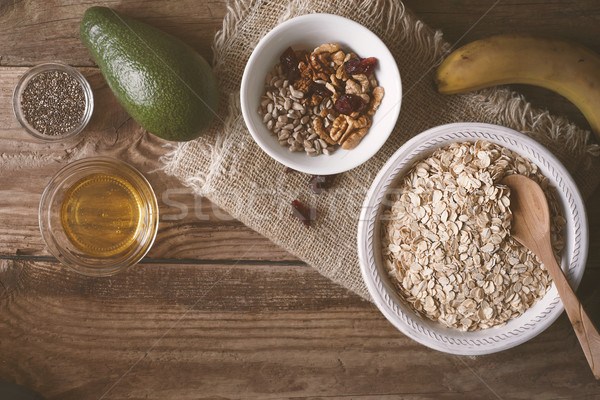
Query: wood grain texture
{"points": [[187, 230], [246, 332], [531, 227], [463, 21], [190, 226], [198, 324], [28, 26]]}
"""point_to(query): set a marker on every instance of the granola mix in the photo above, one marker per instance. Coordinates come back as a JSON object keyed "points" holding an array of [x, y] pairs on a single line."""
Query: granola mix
{"points": [[316, 102]]}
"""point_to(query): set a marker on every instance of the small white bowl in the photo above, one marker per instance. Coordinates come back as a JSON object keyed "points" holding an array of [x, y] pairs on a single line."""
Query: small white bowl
{"points": [[433, 334], [310, 31]]}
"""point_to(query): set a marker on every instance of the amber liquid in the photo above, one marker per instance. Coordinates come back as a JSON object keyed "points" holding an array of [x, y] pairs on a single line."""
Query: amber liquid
{"points": [[102, 214]]}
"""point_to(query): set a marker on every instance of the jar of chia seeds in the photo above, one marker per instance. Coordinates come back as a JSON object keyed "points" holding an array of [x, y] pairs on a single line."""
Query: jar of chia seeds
{"points": [[53, 102]]}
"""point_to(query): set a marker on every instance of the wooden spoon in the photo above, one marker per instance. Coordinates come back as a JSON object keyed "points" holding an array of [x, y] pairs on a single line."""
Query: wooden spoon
{"points": [[531, 227]]}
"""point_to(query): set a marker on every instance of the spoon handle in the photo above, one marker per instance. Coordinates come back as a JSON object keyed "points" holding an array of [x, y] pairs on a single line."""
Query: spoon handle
{"points": [[586, 332]]}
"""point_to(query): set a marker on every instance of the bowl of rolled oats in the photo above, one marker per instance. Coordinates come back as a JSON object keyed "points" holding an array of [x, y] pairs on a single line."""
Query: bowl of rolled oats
{"points": [[321, 94], [435, 247]]}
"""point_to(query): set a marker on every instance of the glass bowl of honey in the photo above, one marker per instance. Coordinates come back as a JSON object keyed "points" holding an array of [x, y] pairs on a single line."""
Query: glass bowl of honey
{"points": [[98, 216]]}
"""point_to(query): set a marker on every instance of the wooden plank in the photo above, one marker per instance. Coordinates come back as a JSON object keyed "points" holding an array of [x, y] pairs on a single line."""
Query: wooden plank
{"points": [[248, 332], [22, 24], [231, 331], [463, 21], [111, 133], [27, 27], [190, 227]]}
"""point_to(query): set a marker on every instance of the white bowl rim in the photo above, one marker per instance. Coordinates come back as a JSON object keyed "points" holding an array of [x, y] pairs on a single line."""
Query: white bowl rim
{"points": [[359, 158], [493, 339]]}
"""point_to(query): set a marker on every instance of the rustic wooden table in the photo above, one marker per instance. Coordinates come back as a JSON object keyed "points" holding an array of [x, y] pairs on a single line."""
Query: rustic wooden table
{"points": [[193, 320]]}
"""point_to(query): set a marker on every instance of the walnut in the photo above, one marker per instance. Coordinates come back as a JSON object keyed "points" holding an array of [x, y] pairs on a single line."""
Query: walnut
{"points": [[335, 97], [331, 88], [338, 57], [328, 112], [325, 60], [337, 84], [377, 96], [364, 82], [306, 77], [341, 74], [353, 87], [350, 56], [344, 125], [308, 74], [320, 66], [353, 136], [320, 130], [354, 139], [362, 122], [327, 47], [341, 125], [315, 100], [365, 97], [373, 80]]}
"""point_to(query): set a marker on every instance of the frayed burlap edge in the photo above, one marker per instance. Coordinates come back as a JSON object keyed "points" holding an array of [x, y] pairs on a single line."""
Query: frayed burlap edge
{"points": [[419, 40], [202, 165]]}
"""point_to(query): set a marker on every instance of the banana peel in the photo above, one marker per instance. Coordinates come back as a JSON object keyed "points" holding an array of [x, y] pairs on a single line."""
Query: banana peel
{"points": [[567, 68]]}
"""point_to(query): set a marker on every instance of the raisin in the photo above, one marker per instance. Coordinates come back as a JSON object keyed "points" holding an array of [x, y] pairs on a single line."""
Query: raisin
{"points": [[289, 170], [303, 213], [320, 183], [319, 89], [289, 63], [361, 65], [349, 103]]}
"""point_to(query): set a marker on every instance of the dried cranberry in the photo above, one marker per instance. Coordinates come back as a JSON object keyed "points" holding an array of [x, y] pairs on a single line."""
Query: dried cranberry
{"points": [[319, 89], [289, 170], [353, 66], [302, 212], [289, 63], [349, 103], [360, 65], [368, 65], [319, 183]]}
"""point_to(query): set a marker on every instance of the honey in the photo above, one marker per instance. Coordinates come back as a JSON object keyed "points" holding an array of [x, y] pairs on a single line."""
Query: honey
{"points": [[102, 215]]}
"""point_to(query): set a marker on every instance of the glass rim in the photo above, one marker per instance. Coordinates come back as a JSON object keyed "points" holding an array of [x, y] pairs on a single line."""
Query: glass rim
{"points": [[22, 84], [102, 266]]}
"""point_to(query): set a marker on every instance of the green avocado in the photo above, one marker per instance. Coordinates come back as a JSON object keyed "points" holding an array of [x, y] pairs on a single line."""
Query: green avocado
{"points": [[166, 86]]}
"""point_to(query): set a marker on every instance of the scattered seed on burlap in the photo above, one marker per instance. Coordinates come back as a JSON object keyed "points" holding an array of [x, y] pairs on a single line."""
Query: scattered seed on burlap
{"points": [[319, 183], [53, 103]]}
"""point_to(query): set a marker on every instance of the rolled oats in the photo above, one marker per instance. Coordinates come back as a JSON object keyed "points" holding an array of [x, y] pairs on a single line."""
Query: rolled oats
{"points": [[446, 239]]}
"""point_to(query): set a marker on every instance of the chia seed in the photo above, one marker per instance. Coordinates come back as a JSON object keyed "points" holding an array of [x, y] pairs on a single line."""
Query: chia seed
{"points": [[53, 103]]}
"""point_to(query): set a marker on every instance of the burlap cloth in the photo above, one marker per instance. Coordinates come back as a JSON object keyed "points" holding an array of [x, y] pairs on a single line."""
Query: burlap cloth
{"points": [[229, 168]]}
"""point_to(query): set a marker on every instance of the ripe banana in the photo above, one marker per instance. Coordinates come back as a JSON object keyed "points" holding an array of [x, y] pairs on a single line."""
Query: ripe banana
{"points": [[567, 68]]}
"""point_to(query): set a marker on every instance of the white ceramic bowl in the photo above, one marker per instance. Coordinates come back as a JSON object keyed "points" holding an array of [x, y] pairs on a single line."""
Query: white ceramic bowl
{"points": [[432, 334], [309, 31]]}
